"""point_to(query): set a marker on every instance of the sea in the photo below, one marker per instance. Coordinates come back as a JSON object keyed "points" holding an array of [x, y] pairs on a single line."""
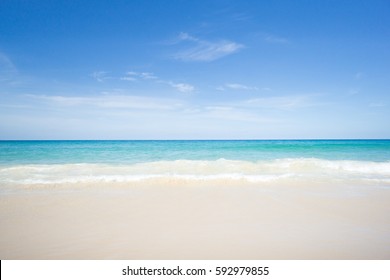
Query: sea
{"points": [[358, 162], [247, 199]]}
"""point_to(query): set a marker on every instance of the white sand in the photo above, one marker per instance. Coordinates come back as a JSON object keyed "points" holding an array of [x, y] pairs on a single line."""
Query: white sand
{"points": [[224, 221]]}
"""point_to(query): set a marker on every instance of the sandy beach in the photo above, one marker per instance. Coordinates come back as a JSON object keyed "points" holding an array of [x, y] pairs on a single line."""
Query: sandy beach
{"points": [[202, 221]]}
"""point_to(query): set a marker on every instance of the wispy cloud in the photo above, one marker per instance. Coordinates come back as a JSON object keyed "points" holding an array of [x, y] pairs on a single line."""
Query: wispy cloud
{"points": [[182, 87], [235, 86], [241, 17], [6, 65], [276, 39], [8, 71], [258, 110], [134, 76], [110, 101], [236, 113], [99, 76], [203, 50], [280, 102], [129, 76], [240, 87]]}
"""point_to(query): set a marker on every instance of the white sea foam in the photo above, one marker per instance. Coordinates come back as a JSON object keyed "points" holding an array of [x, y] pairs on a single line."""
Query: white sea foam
{"points": [[199, 170]]}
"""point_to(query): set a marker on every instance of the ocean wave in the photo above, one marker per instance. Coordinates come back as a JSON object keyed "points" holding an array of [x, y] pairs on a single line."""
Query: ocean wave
{"points": [[199, 170]]}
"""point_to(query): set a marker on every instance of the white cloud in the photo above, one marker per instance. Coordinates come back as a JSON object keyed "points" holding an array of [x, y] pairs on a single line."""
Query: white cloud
{"points": [[133, 76], [148, 76], [219, 108], [128, 78], [116, 114], [110, 101], [240, 87], [231, 113], [235, 86], [203, 50], [186, 37], [99, 76], [280, 102], [186, 88]]}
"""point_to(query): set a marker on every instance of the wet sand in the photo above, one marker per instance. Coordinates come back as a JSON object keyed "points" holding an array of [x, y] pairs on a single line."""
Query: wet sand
{"points": [[220, 221]]}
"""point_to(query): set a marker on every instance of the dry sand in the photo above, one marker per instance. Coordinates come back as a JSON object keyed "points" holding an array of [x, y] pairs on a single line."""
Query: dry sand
{"points": [[245, 221]]}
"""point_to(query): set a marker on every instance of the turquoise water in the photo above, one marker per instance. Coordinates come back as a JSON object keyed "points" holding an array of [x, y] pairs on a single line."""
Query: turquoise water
{"points": [[217, 162], [119, 152]]}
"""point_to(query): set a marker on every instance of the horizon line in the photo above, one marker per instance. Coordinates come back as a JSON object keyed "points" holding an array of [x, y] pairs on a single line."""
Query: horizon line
{"points": [[205, 139]]}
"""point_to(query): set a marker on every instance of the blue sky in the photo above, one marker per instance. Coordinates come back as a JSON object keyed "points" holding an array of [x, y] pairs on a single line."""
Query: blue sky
{"points": [[194, 69]]}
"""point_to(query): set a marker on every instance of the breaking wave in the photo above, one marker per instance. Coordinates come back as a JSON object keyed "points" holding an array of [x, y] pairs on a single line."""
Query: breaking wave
{"points": [[199, 170]]}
